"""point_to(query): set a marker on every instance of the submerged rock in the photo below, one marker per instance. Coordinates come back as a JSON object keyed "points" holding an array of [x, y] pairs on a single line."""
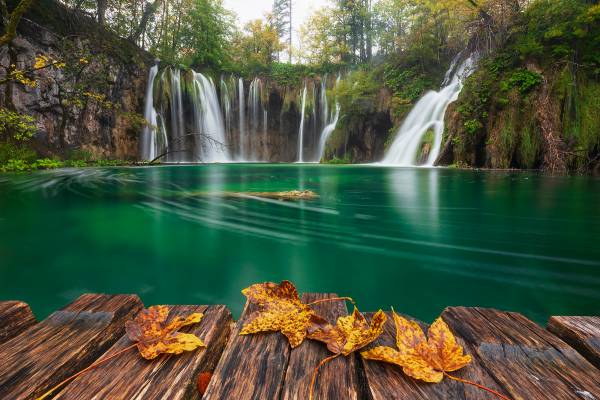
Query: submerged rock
{"points": [[292, 195]]}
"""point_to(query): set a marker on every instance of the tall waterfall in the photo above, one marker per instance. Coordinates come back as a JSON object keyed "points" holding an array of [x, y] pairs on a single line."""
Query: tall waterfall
{"points": [[330, 120], [148, 143], [210, 145], [178, 136], [242, 122], [301, 130], [428, 116]]}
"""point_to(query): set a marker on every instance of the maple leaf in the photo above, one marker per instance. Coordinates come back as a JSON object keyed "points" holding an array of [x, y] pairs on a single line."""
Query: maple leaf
{"points": [[154, 336], [426, 358], [279, 309], [422, 358], [349, 334]]}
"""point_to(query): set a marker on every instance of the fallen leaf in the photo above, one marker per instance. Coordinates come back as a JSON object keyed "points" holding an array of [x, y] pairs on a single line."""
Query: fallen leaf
{"points": [[203, 381], [349, 334], [154, 336], [279, 309], [426, 359]]}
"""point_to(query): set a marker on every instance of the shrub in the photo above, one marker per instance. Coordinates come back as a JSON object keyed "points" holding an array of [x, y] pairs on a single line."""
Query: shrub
{"points": [[15, 126]]}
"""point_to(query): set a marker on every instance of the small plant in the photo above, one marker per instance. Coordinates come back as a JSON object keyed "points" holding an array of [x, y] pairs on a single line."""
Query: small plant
{"points": [[15, 126]]}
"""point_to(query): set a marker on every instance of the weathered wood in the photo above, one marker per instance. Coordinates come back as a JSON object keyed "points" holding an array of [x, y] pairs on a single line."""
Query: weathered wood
{"points": [[528, 361], [252, 367], [15, 317], [62, 344], [129, 376], [388, 382], [338, 379], [582, 333]]}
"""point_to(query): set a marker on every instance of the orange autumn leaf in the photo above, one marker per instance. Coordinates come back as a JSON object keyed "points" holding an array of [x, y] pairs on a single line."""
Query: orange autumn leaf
{"points": [[279, 309], [154, 336], [349, 334], [202, 382], [424, 358]]}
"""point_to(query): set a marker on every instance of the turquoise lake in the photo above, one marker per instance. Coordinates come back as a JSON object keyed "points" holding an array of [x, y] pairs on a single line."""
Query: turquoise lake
{"points": [[415, 239]]}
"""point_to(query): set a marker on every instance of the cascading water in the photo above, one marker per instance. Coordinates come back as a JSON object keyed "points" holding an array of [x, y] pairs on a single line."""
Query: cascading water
{"points": [[428, 115], [177, 144], [210, 135], [254, 110], [148, 140], [301, 130], [330, 120], [242, 123]]}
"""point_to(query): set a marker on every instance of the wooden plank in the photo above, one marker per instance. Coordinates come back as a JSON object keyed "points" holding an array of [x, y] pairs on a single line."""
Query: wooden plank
{"points": [[528, 361], [252, 367], [63, 344], [582, 333], [388, 382], [15, 317], [338, 379], [129, 376]]}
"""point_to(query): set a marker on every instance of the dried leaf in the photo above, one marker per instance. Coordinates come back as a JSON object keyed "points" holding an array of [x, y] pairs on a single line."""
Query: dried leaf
{"points": [[155, 337], [280, 309], [422, 358], [202, 382], [349, 334]]}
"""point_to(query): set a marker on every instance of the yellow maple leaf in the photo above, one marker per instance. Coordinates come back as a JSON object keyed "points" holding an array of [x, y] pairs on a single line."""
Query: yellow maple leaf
{"points": [[349, 334], [279, 309], [422, 358], [154, 336]]}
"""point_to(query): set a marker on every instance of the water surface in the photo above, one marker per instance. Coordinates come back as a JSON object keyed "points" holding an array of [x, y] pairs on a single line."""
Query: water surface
{"points": [[415, 239]]}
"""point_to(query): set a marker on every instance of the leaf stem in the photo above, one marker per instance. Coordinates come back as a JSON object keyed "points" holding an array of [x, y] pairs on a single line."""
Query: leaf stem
{"points": [[331, 299], [499, 395], [94, 365], [314, 377]]}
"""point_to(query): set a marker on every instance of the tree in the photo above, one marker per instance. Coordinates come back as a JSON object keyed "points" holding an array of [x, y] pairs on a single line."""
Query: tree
{"points": [[282, 22], [10, 20], [257, 47]]}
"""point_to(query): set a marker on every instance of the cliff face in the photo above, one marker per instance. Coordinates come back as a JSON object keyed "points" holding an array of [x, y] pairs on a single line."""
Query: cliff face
{"points": [[94, 102]]}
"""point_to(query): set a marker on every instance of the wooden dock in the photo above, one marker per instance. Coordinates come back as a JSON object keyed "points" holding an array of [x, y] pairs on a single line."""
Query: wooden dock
{"points": [[511, 355]]}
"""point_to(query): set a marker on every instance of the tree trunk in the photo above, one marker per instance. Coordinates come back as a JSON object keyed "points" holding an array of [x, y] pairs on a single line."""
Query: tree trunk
{"points": [[101, 11]]}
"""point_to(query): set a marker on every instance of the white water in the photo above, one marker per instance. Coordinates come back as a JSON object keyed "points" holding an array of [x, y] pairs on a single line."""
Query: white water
{"points": [[242, 107], [331, 121], [177, 145], [148, 143], [254, 110], [210, 144], [301, 130], [428, 114]]}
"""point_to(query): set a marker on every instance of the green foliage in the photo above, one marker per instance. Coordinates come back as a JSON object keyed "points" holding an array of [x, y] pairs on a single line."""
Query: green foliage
{"points": [[357, 93], [473, 126], [15, 126], [523, 79], [16, 151], [339, 161]]}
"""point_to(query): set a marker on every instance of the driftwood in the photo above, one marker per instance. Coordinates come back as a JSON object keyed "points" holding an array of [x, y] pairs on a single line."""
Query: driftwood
{"points": [[15, 317], [292, 195], [582, 333], [129, 376], [388, 382], [527, 361], [62, 344]]}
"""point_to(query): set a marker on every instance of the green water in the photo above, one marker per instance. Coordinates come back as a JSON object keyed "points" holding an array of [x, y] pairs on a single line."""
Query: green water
{"points": [[415, 239]]}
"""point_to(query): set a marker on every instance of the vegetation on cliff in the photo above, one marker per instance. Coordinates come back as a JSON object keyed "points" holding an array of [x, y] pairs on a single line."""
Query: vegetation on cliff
{"points": [[533, 103]]}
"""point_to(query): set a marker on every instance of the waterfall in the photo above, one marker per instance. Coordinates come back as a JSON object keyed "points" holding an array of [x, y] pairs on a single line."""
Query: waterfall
{"points": [[327, 131], [210, 144], [148, 140], [242, 107], [178, 148], [254, 106], [330, 120], [301, 130], [428, 115], [226, 105]]}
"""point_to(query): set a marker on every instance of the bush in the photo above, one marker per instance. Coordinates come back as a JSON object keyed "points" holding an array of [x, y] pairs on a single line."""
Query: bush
{"points": [[524, 80], [15, 126]]}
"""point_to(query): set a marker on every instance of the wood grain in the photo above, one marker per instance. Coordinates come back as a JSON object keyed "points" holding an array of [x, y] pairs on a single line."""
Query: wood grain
{"points": [[528, 361], [386, 381], [252, 367], [15, 317], [130, 376], [582, 333], [338, 379], [63, 344]]}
